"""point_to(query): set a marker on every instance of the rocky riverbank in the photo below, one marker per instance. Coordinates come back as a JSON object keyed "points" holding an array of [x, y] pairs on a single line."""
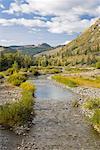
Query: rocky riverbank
{"points": [[9, 93], [82, 91], [59, 126], [87, 91]]}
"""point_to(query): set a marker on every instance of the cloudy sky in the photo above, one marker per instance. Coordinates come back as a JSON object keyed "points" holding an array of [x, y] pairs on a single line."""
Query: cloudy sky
{"points": [[52, 21]]}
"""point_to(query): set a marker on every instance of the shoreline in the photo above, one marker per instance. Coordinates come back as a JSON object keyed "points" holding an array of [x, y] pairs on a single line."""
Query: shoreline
{"points": [[58, 125], [84, 91], [46, 111], [55, 122]]}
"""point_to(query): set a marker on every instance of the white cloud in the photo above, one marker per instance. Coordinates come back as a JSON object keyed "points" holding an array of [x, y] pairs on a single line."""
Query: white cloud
{"points": [[6, 41], [67, 14], [54, 7], [98, 10], [23, 22], [2, 6], [34, 30], [56, 25], [64, 25]]}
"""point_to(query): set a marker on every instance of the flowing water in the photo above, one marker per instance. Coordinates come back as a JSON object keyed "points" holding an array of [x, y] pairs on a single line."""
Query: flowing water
{"points": [[47, 93], [49, 90]]}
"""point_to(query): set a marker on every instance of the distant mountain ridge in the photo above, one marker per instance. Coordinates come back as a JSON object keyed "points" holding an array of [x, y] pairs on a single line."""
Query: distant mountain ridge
{"points": [[27, 49], [6, 49]]}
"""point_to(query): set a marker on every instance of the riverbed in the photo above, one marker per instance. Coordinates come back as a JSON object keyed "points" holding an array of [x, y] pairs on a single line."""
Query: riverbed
{"points": [[50, 91], [56, 126]]}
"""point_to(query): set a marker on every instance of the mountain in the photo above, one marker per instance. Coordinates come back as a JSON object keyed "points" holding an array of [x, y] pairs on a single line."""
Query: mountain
{"points": [[84, 50], [6, 49], [49, 51], [32, 49], [28, 49], [44, 45]]}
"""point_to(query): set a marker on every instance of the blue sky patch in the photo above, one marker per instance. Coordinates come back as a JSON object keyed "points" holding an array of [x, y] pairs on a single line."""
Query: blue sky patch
{"points": [[37, 21]]}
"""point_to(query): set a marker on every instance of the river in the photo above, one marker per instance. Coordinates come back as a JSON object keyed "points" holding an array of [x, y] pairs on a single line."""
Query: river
{"points": [[49, 90], [55, 125]]}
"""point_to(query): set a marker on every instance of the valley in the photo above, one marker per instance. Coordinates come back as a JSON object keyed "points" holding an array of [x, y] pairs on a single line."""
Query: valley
{"points": [[50, 96]]}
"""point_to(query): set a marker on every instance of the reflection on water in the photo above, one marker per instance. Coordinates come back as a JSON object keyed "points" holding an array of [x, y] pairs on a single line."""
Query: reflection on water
{"points": [[47, 90]]}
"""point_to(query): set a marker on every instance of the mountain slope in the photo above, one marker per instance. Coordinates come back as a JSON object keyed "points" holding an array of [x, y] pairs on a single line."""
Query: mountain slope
{"points": [[32, 49], [27, 49], [6, 49], [87, 42], [85, 49]]}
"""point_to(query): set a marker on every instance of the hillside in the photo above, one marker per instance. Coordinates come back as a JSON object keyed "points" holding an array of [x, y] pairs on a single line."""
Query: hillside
{"points": [[32, 49], [50, 51], [6, 49], [84, 50], [27, 49]]}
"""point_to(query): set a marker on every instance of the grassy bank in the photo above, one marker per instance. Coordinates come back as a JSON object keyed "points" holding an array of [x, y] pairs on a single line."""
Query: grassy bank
{"points": [[36, 70], [92, 107], [76, 70], [19, 112], [67, 81], [78, 81], [17, 78]]}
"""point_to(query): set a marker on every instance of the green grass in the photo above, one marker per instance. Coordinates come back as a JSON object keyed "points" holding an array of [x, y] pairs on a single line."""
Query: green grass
{"points": [[74, 81], [51, 71], [92, 104], [95, 119], [98, 65], [2, 75], [26, 86], [17, 113], [76, 70], [94, 107], [67, 81], [9, 71], [17, 78], [20, 112], [36, 70]]}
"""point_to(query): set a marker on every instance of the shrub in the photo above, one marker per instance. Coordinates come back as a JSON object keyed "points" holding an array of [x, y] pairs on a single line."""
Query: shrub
{"points": [[26, 86], [94, 107], [2, 75], [17, 79], [17, 113], [9, 71], [34, 71], [50, 70], [53, 71], [75, 103], [15, 66], [98, 65], [23, 70], [92, 104], [95, 119]]}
